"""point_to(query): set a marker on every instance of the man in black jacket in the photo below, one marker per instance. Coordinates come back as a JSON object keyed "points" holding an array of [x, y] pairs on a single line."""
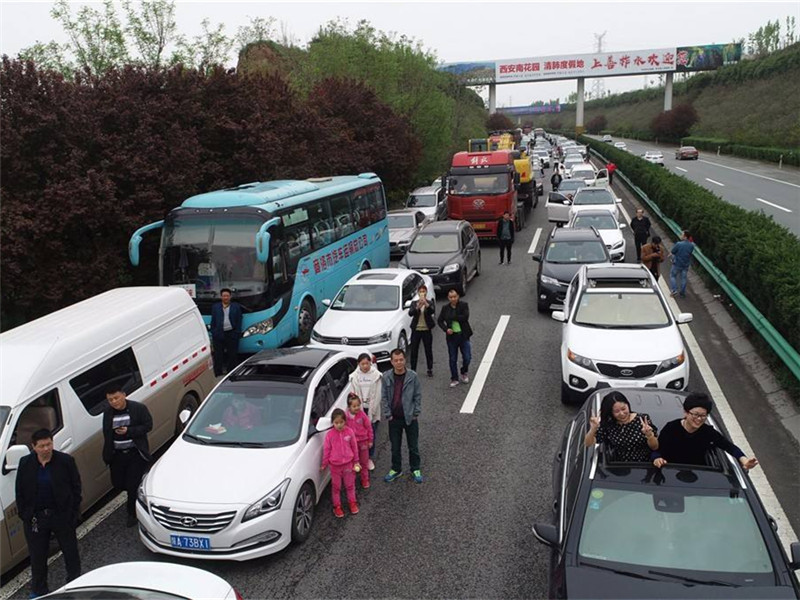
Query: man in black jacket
{"points": [[422, 328], [454, 321], [640, 225], [505, 235], [555, 178], [125, 447], [48, 490]]}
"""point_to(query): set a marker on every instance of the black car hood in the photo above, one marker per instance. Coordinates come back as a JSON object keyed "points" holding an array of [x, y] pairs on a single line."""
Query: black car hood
{"points": [[415, 260], [586, 582], [564, 273]]}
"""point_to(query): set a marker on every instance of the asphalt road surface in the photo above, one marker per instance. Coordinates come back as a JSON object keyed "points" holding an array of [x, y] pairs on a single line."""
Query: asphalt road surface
{"points": [[751, 184], [466, 531]]}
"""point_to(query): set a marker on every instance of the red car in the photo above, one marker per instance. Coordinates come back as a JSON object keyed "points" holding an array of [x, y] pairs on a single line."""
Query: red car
{"points": [[687, 152]]}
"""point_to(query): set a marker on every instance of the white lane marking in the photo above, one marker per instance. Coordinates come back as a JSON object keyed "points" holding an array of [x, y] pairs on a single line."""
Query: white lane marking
{"points": [[774, 205], [13, 586], [682, 169], [471, 401], [708, 162], [717, 182], [535, 242]]}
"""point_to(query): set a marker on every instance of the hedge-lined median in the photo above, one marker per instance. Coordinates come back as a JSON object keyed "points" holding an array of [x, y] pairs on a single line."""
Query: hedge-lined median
{"points": [[759, 256], [790, 156]]}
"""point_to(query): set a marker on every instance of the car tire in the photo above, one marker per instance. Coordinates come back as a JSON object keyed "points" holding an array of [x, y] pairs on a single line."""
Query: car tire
{"points": [[542, 308], [402, 342], [365, 266], [306, 319], [190, 403], [303, 513], [566, 394]]}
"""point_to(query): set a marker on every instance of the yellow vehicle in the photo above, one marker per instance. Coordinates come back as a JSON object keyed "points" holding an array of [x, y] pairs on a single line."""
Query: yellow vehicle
{"points": [[501, 141], [526, 190], [478, 145]]}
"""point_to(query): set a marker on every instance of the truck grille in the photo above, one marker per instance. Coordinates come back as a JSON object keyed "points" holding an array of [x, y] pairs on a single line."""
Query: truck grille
{"points": [[191, 522], [633, 372]]}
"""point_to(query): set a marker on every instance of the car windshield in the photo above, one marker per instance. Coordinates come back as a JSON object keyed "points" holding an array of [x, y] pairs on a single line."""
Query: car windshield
{"points": [[401, 221], [367, 297], [425, 200], [700, 530], [654, 155], [471, 185], [571, 185], [593, 196], [597, 221], [583, 174], [265, 414], [621, 310], [566, 252], [435, 242]]}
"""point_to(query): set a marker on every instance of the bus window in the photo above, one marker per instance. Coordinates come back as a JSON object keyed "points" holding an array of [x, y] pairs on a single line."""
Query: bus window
{"points": [[361, 217], [298, 244], [342, 217], [322, 231]]}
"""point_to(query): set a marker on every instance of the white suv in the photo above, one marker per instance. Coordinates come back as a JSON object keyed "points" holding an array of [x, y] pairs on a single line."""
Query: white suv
{"points": [[619, 332]]}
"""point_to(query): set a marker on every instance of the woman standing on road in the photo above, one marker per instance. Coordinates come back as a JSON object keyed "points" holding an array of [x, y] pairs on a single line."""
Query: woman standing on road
{"points": [[630, 436], [365, 382]]}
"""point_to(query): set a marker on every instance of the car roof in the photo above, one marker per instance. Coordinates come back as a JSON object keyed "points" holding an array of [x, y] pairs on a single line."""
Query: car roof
{"points": [[618, 271], [594, 212], [443, 227], [381, 276], [404, 211], [301, 356], [565, 233], [428, 189]]}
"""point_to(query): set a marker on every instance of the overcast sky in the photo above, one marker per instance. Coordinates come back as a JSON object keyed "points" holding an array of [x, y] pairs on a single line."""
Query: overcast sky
{"points": [[468, 31]]}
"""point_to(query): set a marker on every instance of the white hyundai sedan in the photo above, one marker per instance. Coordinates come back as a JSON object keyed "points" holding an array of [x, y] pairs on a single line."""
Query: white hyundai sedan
{"points": [[370, 312]]}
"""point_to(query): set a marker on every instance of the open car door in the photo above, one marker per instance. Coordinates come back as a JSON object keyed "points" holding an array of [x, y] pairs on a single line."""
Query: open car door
{"points": [[601, 179], [558, 207]]}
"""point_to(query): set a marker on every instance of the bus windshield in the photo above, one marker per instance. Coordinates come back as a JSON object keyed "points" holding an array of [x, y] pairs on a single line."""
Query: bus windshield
{"points": [[472, 185], [212, 253]]}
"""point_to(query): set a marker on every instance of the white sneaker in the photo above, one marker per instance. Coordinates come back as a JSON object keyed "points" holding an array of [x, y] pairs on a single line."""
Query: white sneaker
{"points": [[464, 378], [370, 465], [453, 383]]}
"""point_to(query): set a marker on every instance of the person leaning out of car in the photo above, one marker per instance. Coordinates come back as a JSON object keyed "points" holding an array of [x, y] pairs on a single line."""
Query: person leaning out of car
{"points": [[629, 436], [653, 254], [423, 322]]}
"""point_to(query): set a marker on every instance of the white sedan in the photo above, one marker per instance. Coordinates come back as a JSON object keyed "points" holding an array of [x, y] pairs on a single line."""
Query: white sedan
{"points": [[655, 157], [620, 145], [151, 580], [370, 312], [607, 226]]}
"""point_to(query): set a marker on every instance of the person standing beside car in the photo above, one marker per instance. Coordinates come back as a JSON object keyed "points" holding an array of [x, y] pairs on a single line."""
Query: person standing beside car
{"points": [[401, 402], [611, 167], [640, 225], [423, 322], [226, 329], [681, 260], [505, 235], [555, 178], [454, 321], [653, 254]]}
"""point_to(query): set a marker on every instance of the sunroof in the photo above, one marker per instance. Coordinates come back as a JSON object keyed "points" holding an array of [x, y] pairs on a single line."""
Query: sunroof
{"points": [[377, 276], [272, 371]]}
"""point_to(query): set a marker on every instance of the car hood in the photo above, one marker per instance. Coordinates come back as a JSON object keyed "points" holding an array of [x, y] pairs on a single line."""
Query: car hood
{"points": [[586, 582], [354, 323], [626, 345], [433, 259], [189, 472], [564, 273], [610, 236], [399, 235]]}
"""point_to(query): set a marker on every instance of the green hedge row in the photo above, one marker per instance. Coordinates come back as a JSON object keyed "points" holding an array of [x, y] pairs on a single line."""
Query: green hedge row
{"points": [[790, 156], [759, 256]]}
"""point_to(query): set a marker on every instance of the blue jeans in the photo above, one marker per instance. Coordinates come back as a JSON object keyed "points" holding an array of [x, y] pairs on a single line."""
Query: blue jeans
{"points": [[676, 273], [454, 344]]}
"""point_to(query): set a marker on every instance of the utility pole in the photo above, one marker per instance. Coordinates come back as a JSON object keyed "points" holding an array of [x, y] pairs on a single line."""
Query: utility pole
{"points": [[598, 85]]}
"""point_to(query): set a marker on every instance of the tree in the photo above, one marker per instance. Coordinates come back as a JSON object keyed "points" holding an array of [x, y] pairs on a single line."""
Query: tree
{"points": [[152, 29], [97, 39], [258, 29], [498, 122], [674, 124], [597, 124]]}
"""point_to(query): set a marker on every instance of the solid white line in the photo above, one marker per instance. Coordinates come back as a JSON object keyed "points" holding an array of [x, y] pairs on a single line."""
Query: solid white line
{"points": [[13, 586], [717, 182], [682, 169], [774, 205], [708, 162], [471, 401], [532, 249]]}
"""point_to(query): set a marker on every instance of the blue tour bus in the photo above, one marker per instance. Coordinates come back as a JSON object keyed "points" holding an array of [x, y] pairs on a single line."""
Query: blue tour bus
{"points": [[280, 246]]}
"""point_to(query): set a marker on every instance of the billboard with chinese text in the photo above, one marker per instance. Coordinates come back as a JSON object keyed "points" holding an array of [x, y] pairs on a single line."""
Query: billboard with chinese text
{"points": [[708, 57]]}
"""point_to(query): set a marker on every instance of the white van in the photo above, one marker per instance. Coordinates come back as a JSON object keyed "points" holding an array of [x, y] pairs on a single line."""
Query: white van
{"points": [[54, 372]]}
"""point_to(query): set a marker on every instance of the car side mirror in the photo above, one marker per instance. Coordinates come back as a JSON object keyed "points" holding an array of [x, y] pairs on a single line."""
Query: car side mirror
{"points": [[546, 534], [407, 304], [184, 416], [13, 455], [326, 302], [323, 424], [537, 257], [685, 318], [794, 548], [558, 315], [622, 226], [619, 200]]}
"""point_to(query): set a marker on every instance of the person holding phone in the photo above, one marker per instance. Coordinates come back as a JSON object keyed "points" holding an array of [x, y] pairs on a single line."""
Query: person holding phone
{"points": [[423, 322]]}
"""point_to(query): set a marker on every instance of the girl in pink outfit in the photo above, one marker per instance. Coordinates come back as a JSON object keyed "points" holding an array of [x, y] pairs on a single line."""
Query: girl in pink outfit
{"points": [[359, 422], [340, 452]]}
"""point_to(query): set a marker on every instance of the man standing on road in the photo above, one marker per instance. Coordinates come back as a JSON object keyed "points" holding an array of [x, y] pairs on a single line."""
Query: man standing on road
{"points": [[611, 167], [401, 400], [653, 254], [681, 259], [226, 329], [505, 235], [48, 493], [555, 178], [454, 321], [125, 449], [640, 225]]}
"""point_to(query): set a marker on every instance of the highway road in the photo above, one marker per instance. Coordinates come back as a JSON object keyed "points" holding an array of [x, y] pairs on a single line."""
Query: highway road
{"points": [[751, 184], [466, 531]]}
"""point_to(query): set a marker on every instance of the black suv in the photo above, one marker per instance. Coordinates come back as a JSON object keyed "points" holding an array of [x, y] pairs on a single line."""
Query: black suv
{"points": [[564, 253], [630, 530]]}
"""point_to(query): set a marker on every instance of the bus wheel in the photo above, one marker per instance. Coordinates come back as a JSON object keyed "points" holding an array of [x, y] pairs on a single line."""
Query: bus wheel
{"points": [[365, 266], [188, 402], [306, 319]]}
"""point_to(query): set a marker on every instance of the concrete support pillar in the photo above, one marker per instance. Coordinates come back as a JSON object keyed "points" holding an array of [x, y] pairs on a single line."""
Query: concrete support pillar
{"points": [[579, 107], [668, 91], [492, 98]]}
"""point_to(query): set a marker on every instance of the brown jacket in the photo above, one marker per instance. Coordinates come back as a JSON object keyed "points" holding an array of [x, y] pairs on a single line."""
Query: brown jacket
{"points": [[653, 255]]}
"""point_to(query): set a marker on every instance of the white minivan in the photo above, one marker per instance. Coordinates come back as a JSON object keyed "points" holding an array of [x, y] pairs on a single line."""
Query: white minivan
{"points": [[151, 340]]}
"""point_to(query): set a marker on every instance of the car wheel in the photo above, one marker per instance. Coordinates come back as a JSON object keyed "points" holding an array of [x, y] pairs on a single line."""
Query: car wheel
{"points": [[566, 394], [402, 342], [365, 267], [303, 514], [306, 319], [188, 402], [463, 291], [478, 266]]}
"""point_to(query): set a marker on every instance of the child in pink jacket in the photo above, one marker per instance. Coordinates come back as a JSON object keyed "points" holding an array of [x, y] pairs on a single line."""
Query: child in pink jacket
{"points": [[340, 452], [360, 423]]}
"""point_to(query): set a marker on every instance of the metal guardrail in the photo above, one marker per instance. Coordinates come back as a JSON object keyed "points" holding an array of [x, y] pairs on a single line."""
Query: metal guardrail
{"points": [[779, 345]]}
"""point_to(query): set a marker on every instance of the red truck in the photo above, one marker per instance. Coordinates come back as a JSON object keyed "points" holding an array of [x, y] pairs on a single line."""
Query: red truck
{"points": [[481, 186]]}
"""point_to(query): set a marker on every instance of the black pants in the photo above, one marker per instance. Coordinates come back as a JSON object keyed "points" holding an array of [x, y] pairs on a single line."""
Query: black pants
{"points": [[610, 177], [639, 240], [127, 470], [505, 245], [426, 337], [396, 429], [63, 526], [226, 353]]}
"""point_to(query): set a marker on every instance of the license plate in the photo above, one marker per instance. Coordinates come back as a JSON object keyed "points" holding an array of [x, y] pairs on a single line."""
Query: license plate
{"points": [[479, 226], [190, 542]]}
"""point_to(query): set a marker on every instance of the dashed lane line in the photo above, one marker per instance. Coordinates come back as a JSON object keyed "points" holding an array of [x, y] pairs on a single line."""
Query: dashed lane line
{"points": [[535, 242], [774, 205], [682, 169], [715, 182], [471, 401], [708, 162]]}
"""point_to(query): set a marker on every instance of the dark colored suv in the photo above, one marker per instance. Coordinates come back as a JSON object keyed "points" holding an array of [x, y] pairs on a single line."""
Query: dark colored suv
{"points": [[564, 252]]}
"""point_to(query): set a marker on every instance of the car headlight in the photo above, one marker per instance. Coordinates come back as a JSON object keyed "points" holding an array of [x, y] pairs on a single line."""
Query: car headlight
{"points": [[315, 336], [619, 244], [452, 268], [259, 328], [581, 361], [403, 242], [671, 363], [382, 337], [268, 503], [141, 496], [549, 280]]}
